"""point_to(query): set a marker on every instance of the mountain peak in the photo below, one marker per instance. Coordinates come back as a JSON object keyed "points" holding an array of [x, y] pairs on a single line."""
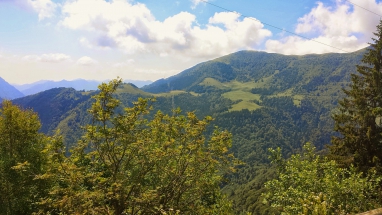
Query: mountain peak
{"points": [[8, 91]]}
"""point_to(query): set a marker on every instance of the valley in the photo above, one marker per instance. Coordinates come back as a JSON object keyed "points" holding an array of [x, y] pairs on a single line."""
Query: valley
{"points": [[264, 100]]}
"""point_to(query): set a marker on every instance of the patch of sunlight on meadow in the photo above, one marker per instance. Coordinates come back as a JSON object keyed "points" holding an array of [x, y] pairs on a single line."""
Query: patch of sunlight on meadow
{"points": [[241, 95], [214, 83], [245, 105], [246, 97], [171, 93]]}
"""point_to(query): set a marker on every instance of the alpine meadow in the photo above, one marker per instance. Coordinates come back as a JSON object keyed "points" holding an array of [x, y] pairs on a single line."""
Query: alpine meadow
{"points": [[248, 133]]}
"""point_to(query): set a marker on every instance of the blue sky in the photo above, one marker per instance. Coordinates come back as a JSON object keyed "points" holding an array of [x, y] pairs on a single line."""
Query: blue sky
{"points": [[148, 39]]}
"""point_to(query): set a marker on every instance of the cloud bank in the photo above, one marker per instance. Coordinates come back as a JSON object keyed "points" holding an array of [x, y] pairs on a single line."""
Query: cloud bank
{"points": [[44, 8], [86, 61], [345, 26], [50, 58], [196, 3], [132, 28]]}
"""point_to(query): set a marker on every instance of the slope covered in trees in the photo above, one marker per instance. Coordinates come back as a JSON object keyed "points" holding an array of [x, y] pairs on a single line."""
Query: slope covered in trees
{"points": [[358, 119], [264, 100], [126, 163], [350, 182], [21, 159], [312, 184]]}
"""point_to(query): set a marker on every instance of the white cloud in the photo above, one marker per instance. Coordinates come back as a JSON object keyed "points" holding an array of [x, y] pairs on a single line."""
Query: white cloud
{"points": [[298, 46], [163, 54], [100, 43], [44, 8], [51, 58], [31, 58], [344, 26], [196, 3], [86, 61], [123, 64], [132, 28]]}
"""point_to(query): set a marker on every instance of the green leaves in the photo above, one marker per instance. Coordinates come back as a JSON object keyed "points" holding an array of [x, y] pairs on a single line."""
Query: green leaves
{"points": [[309, 184], [358, 118], [21, 160]]}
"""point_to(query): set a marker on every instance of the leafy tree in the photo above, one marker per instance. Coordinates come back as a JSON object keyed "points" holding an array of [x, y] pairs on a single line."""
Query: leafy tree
{"points": [[127, 164], [21, 160], [309, 184], [358, 118]]}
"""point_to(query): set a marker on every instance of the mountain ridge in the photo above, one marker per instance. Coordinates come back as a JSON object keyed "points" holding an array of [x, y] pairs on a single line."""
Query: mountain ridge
{"points": [[7, 91], [251, 68], [77, 84]]}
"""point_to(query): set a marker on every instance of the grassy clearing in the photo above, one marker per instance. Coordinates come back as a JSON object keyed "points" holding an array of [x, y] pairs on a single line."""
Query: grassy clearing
{"points": [[242, 91], [194, 94], [214, 83], [233, 85], [127, 88], [245, 105], [297, 99], [239, 91], [241, 95], [246, 98], [168, 94]]}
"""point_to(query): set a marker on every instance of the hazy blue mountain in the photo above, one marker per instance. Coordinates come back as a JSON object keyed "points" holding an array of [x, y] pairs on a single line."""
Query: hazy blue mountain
{"points": [[22, 87], [78, 84], [8, 91]]}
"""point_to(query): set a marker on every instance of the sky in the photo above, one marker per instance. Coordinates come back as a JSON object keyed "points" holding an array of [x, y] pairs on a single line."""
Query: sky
{"points": [[151, 39]]}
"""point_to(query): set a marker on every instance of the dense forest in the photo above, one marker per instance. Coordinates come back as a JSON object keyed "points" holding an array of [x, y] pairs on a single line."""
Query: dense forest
{"points": [[125, 163], [278, 135]]}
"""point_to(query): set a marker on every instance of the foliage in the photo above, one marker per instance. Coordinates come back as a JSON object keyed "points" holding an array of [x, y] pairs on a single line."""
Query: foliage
{"points": [[246, 187], [309, 184], [21, 160], [357, 120], [126, 164]]}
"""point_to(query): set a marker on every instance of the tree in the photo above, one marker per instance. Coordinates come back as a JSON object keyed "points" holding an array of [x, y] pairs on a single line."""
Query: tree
{"points": [[309, 184], [127, 164], [21, 160], [359, 114]]}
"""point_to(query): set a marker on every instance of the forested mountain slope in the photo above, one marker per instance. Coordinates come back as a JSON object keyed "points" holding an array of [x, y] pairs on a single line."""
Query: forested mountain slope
{"points": [[53, 105], [265, 100], [275, 71]]}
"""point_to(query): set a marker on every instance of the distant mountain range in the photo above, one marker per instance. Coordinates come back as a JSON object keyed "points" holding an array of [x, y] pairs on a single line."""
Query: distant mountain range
{"points": [[79, 84], [8, 91]]}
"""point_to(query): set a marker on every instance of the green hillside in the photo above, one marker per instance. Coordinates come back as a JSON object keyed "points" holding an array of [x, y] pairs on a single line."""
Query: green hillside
{"points": [[265, 100], [272, 70]]}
